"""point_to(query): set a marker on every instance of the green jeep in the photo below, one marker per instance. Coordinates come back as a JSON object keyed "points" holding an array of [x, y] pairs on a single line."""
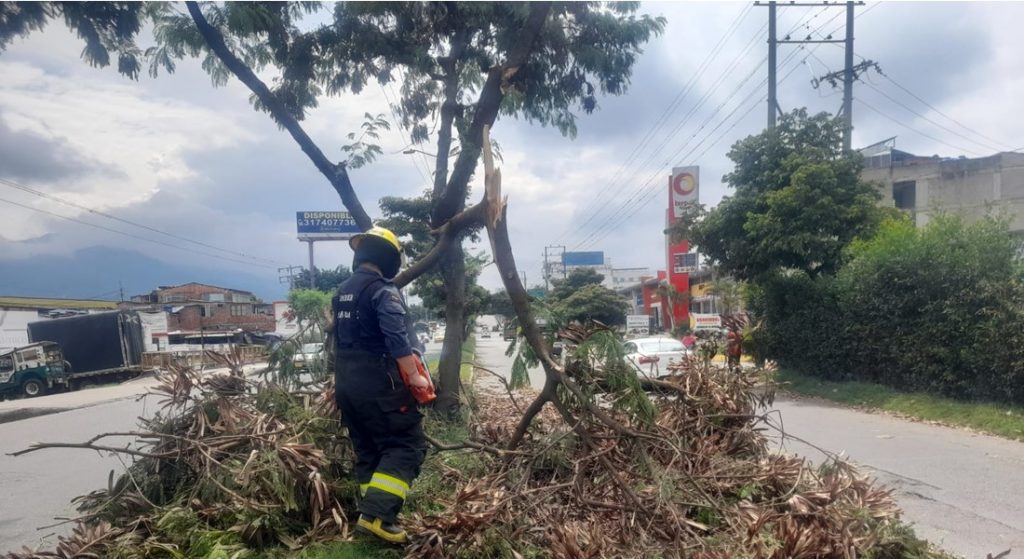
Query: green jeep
{"points": [[31, 370]]}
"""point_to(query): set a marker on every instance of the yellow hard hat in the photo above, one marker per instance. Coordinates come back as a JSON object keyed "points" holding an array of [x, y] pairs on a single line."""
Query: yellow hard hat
{"points": [[380, 232]]}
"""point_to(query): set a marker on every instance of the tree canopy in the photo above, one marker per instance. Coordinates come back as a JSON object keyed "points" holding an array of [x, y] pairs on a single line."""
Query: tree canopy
{"points": [[326, 280], [595, 302], [798, 201], [459, 66], [576, 280]]}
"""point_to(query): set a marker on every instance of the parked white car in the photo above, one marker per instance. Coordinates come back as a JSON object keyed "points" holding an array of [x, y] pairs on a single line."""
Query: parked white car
{"points": [[651, 356], [308, 355]]}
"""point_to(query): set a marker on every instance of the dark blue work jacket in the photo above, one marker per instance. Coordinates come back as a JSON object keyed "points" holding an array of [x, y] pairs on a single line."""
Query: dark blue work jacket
{"points": [[369, 315]]}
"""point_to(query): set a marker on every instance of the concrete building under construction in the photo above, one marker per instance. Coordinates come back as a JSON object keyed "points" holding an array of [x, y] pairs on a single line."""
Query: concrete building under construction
{"points": [[926, 185]]}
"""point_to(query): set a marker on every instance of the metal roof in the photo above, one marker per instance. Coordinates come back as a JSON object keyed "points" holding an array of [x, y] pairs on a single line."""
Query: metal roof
{"points": [[53, 303]]}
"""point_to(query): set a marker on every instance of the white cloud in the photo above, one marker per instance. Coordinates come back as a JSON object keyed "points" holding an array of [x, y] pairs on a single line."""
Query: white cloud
{"points": [[200, 162]]}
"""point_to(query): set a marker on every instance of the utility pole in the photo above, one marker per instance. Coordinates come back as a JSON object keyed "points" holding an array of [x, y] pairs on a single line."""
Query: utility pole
{"points": [[287, 275], [548, 264], [849, 75], [773, 103], [848, 82]]}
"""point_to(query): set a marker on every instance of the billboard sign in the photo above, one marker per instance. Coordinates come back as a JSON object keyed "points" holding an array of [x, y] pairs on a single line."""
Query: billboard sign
{"points": [[683, 189], [705, 321], [638, 324], [325, 226], [592, 258]]}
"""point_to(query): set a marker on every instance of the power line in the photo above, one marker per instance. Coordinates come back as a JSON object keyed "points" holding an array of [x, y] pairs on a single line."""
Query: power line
{"points": [[916, 131], [645, 193], [663, 118], [400, 126], [156, 241], [679, 127], [41, 194], [994, 144], [642, 194], [951, 119], [610, 217], [927, 119], [602, 232]]}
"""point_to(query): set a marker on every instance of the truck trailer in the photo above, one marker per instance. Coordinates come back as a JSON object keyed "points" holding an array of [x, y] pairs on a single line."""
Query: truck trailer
{"points": [[99, 347]]}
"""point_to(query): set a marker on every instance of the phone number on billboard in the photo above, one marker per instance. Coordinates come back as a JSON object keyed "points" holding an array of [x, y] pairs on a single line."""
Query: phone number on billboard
{"points": [[326, 222]]}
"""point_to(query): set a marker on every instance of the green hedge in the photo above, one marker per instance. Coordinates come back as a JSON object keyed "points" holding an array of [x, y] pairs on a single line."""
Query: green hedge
{"points": [[938, 309]]}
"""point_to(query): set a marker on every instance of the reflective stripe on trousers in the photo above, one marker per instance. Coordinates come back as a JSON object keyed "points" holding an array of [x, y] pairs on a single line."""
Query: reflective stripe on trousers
{"points": [[389, 484]]}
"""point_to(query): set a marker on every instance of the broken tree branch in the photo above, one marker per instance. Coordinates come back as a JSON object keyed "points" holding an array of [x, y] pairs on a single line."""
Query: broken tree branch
{"points": [[462, 445], [491, 96], [336, 174], [447, 236]]}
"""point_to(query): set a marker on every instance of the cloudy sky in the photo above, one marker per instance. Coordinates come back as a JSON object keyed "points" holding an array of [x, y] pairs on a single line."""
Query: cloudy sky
{"points": [[179, 156]]}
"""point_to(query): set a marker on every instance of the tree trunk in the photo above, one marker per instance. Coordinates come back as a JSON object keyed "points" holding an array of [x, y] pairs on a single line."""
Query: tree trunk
{"points": [[453, 271]]}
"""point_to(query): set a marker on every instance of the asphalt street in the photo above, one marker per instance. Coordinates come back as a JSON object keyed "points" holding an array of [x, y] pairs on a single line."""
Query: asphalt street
{"points": [[38, 487], [962, 491]]}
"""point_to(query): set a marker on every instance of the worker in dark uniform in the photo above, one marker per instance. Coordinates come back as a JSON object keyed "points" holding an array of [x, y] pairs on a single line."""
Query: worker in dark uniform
{"points": [[381, 415]]}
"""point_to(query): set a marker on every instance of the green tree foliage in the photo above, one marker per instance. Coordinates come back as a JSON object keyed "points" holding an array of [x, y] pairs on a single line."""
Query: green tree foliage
{"points": [[937, 309], [107, 28], [409, 218], [460, 65], [595, 302], [576, 280], [310, 305], [581, 297], [326, 280], [730, 295], [798, 201], [500, 305]]}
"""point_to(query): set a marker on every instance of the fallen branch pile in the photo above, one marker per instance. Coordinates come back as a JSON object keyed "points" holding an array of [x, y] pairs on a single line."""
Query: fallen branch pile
{"points": [[226, 467], [697, 480], [231, 466]]}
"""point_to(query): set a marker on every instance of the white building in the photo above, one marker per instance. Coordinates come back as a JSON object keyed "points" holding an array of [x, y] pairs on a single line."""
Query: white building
{"points": [[286, 325], [17, 312], [624, 277]]}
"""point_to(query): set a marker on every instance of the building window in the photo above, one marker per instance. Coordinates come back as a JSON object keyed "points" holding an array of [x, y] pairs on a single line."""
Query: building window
{"points": [[241, 310], [214, 297], [904, 195]]}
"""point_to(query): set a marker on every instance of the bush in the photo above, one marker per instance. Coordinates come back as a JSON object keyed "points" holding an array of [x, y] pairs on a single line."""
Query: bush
{"points": [[938, 309]]}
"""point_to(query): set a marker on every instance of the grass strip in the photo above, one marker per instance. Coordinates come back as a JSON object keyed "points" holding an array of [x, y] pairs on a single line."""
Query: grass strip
{"points": [[996, 419], [468, 356]]}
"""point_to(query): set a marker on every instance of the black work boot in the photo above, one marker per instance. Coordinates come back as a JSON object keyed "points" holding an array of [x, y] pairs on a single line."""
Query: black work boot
{"points": [[391, 533]]}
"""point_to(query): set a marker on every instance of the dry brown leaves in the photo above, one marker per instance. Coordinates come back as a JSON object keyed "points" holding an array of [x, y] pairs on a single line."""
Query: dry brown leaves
{"points": [[699, 482], [255, 465]]}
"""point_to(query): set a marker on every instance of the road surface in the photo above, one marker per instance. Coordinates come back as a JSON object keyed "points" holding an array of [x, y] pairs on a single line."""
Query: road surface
{"points": [[37, 488], [962, 491]]}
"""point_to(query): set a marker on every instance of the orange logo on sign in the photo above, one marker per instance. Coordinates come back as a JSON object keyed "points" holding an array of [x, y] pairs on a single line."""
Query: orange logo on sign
{"points": [[684, 184]]}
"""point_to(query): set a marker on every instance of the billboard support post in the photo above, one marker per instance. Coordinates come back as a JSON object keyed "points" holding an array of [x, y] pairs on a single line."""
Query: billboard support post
{"points": [[312, 268]]}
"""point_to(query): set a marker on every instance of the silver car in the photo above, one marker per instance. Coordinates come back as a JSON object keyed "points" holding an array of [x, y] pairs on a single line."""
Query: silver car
{"points": [[651, 356]]}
